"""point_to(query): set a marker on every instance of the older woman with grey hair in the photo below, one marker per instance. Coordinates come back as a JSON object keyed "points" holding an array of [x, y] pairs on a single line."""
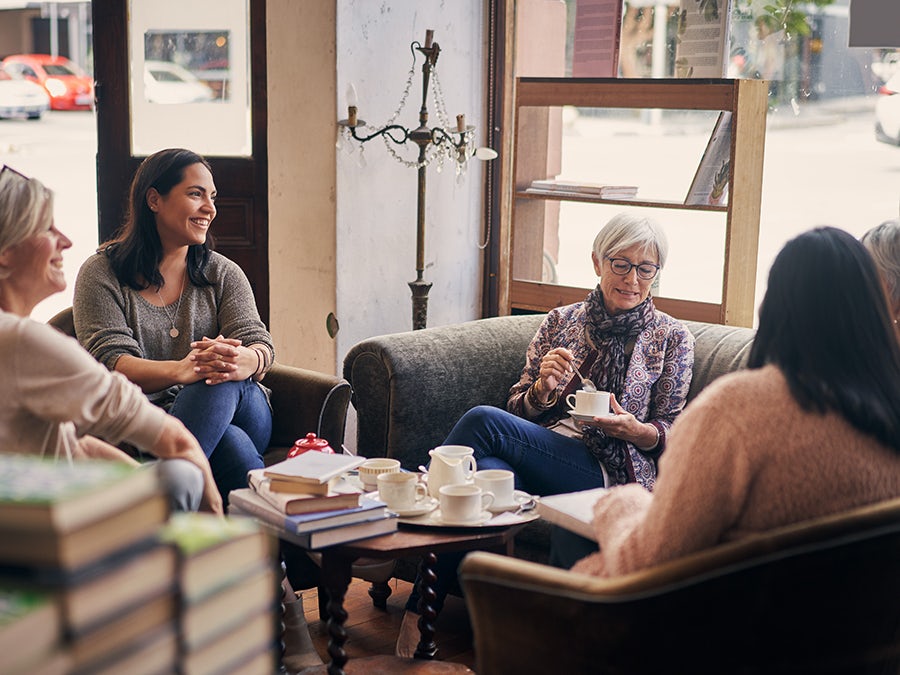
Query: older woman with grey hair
{"points": [[625, 346], [883, 243], [57, 400]]}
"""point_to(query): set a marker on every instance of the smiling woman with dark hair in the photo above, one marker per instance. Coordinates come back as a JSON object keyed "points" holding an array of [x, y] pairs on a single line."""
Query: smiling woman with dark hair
{"points": [[159, 306], [810, 429]]}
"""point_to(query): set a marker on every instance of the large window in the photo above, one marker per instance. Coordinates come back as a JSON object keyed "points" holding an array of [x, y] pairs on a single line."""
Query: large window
{"points": [[824, 162]]}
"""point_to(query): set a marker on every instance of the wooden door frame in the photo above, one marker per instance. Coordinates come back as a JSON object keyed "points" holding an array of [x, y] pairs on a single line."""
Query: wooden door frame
{"points": [[115, 169]]}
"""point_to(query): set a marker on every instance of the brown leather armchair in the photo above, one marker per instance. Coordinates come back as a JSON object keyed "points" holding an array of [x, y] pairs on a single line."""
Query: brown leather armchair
{"points": [[303, 401], [821, 596]]}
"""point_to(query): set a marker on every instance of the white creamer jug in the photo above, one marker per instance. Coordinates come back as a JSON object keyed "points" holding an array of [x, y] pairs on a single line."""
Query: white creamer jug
{"points": [[450, 465]]}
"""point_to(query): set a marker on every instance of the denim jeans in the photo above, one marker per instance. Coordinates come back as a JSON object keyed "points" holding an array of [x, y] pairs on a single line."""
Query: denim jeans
{"points": [[543, 461], [232, 422]]}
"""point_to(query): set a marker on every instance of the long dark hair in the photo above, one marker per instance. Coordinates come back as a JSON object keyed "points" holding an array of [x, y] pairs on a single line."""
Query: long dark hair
{"points": [[136, 250], [824, 322]]}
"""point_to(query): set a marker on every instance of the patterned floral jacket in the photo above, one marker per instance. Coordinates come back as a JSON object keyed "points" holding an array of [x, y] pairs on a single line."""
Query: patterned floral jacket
{"points": [[656, 381]]}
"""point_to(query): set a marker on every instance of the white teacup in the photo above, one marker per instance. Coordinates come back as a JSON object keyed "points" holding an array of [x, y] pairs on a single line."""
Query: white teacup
{"points": [[463, 504], [402, 491], [371, 468], [500, 483], [593, 403]]}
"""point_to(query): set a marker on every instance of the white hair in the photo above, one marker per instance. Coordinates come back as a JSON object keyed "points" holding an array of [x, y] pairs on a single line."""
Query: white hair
{"points": [[625, 230]]}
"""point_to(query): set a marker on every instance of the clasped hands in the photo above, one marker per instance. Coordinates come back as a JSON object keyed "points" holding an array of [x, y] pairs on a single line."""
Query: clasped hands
{"points": [[556, 365], [222, 359]]}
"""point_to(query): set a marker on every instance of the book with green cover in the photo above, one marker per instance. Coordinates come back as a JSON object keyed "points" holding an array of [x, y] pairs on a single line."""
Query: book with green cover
{"points": [[37, 493], [29, 626], [215, 552]]}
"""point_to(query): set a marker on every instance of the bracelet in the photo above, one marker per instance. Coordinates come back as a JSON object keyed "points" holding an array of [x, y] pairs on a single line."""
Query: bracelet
{"points": [[259, 362], [536, 402]]}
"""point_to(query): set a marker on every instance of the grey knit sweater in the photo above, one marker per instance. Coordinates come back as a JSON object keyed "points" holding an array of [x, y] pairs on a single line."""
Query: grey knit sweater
{"points": [[112, 320]]}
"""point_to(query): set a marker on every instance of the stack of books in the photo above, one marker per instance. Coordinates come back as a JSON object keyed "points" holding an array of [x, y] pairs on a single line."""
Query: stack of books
{"points": [[30, 634], [309, 501], [228, 593], [569, 187], [85, 536]]}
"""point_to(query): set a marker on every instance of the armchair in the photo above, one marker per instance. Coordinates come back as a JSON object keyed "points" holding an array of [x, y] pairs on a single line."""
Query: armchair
{"points": [[814, 597]]}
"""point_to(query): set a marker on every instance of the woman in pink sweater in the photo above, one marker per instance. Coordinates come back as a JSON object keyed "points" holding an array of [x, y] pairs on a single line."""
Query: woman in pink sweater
{"points": [[811, 428]]}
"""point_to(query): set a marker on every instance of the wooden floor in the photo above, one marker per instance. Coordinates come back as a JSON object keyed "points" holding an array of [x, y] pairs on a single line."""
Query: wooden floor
{"points": [[372, 631]]}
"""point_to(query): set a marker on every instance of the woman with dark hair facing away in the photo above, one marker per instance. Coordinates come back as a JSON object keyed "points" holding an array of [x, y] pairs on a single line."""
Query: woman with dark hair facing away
{"points": [[810, 429], [158, 305]]}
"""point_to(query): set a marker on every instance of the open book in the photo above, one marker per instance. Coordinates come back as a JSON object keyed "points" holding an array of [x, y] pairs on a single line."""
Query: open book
{"points": [[571, 510]]}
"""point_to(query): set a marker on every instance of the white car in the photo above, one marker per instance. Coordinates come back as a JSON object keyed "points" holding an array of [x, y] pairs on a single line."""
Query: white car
{"points": [[21, 98], [887, 111], [167, 82]]}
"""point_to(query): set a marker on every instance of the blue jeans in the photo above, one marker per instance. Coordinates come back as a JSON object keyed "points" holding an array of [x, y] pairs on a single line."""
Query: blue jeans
{"points": [[232, 422], [543, 461]]}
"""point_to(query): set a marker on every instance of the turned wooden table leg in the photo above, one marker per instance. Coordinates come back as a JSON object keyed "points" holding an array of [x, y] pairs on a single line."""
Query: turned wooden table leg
{"points": [[336, 578], [427, 648], [380, 591]]}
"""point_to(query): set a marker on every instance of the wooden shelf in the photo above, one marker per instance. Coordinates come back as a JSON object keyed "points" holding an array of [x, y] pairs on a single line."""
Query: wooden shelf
{"points": [[562, 196], [533, 158]]}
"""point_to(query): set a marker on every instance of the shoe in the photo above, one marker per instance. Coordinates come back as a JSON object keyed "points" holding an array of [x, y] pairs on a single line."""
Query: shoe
{"points": [[299, 652], [409, 636]]}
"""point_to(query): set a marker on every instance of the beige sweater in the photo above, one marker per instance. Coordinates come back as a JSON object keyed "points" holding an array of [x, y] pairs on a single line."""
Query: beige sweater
{"points": [[53, 392], [742, 458]]}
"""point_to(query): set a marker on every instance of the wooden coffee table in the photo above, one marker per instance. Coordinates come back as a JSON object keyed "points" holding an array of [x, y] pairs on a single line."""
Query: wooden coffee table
{"points": [[427, 543]]}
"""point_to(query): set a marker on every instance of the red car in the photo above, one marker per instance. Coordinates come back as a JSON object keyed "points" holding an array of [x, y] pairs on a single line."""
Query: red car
{"points": [[68, 86]]}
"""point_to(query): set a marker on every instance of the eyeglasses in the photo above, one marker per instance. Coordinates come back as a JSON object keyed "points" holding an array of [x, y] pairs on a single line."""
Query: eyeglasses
{"points": [[621, 266], [19, 174]]}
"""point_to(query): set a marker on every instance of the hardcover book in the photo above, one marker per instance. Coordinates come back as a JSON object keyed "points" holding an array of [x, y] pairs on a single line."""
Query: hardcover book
{"points": [[343, 495], [327, 537], [37, 493], [252, 503], [571, 510], [702, 38], [29, 627], [215, 552], [710, 184], [73, 549], [103, 589], [313, 467]]}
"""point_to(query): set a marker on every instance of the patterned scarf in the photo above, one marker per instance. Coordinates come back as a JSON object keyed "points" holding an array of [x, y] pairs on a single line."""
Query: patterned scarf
{"points": [[610, 335]]}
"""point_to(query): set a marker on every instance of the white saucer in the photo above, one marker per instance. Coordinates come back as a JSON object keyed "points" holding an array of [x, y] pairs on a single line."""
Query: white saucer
{"points": [[519, 498], [482, 519], [586, 418], [429, 505]]}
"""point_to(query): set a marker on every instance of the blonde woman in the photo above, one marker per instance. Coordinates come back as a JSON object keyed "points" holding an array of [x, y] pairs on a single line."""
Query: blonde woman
{"points": [[57, 400]]}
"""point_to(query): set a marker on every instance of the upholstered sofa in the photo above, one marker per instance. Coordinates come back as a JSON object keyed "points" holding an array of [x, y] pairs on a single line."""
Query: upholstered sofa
{"points": [[409, 389]]}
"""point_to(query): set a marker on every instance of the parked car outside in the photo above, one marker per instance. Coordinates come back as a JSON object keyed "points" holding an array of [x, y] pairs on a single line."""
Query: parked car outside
{"points": [[68, 86], [21, 98], [887, 111], [167, 82]]}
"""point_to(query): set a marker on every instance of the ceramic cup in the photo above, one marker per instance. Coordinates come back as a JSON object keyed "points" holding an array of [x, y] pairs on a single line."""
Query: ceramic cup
{"points": [[402, 491], [463, 504], [371, 468], [593, 403], [500, 483]]}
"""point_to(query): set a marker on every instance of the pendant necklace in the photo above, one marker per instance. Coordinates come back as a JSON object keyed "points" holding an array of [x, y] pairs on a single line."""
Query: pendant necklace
{"points": [[173, 332]]}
